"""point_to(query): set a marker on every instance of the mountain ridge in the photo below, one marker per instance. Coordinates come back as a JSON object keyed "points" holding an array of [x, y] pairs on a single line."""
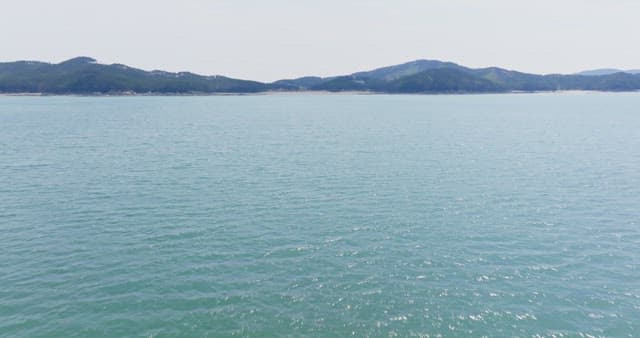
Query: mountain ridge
{"points": [[85, 75]]}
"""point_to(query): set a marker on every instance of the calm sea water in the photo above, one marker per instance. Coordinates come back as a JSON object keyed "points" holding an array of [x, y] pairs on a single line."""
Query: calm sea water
{"points": [[311, 215]]}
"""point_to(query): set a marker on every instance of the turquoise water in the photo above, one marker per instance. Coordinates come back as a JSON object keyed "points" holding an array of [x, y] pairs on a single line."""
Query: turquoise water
{"points": [[312, 215]]}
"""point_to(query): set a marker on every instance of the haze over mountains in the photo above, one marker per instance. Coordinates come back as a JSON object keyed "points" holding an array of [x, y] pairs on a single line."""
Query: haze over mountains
{"points": [[83, 75]]}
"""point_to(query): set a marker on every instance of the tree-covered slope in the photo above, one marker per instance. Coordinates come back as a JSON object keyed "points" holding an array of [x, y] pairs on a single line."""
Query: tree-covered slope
{"points": [[450, 77], [83, 75], [395, 72], [443, 80]]}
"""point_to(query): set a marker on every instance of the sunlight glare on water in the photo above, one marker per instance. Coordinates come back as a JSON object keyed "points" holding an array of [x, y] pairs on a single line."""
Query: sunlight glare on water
{"points": [[320, 215]]}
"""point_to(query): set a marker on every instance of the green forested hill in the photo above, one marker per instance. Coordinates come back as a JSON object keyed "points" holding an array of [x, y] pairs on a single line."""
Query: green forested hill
{"points": [[430, 76], [84, 75]]}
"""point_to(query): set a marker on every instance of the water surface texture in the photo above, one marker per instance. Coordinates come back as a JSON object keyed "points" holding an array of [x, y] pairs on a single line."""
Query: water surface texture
{"points": [[316, 215]]}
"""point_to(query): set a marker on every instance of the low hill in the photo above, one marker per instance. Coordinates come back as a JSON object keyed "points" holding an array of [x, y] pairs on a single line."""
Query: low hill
{"points": [[396, 72], [444, 80], [83, 75]]}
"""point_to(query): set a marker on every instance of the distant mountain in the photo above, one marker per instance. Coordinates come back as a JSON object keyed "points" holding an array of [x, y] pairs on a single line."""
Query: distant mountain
{"points": [[607, 71], [83, 75], [392, 73], [444, 80], [363, 80], [431, 76]]}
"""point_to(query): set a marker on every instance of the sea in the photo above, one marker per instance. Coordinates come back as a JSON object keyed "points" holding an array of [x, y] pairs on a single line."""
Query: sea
{"points": [[301, 215]]}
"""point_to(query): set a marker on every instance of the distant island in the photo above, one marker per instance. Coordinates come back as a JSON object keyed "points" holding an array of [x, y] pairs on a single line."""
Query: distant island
{"points": [[83, 75]]}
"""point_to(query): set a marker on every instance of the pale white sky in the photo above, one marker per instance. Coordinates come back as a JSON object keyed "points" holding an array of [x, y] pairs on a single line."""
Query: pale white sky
{"points": [[268, 40]]}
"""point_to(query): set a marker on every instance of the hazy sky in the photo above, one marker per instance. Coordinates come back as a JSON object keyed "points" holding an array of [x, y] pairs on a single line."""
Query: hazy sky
{"points": [[273, 39]]}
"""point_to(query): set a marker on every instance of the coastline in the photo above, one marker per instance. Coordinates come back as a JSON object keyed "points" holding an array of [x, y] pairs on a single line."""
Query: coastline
{"points": [[308, 92]]}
